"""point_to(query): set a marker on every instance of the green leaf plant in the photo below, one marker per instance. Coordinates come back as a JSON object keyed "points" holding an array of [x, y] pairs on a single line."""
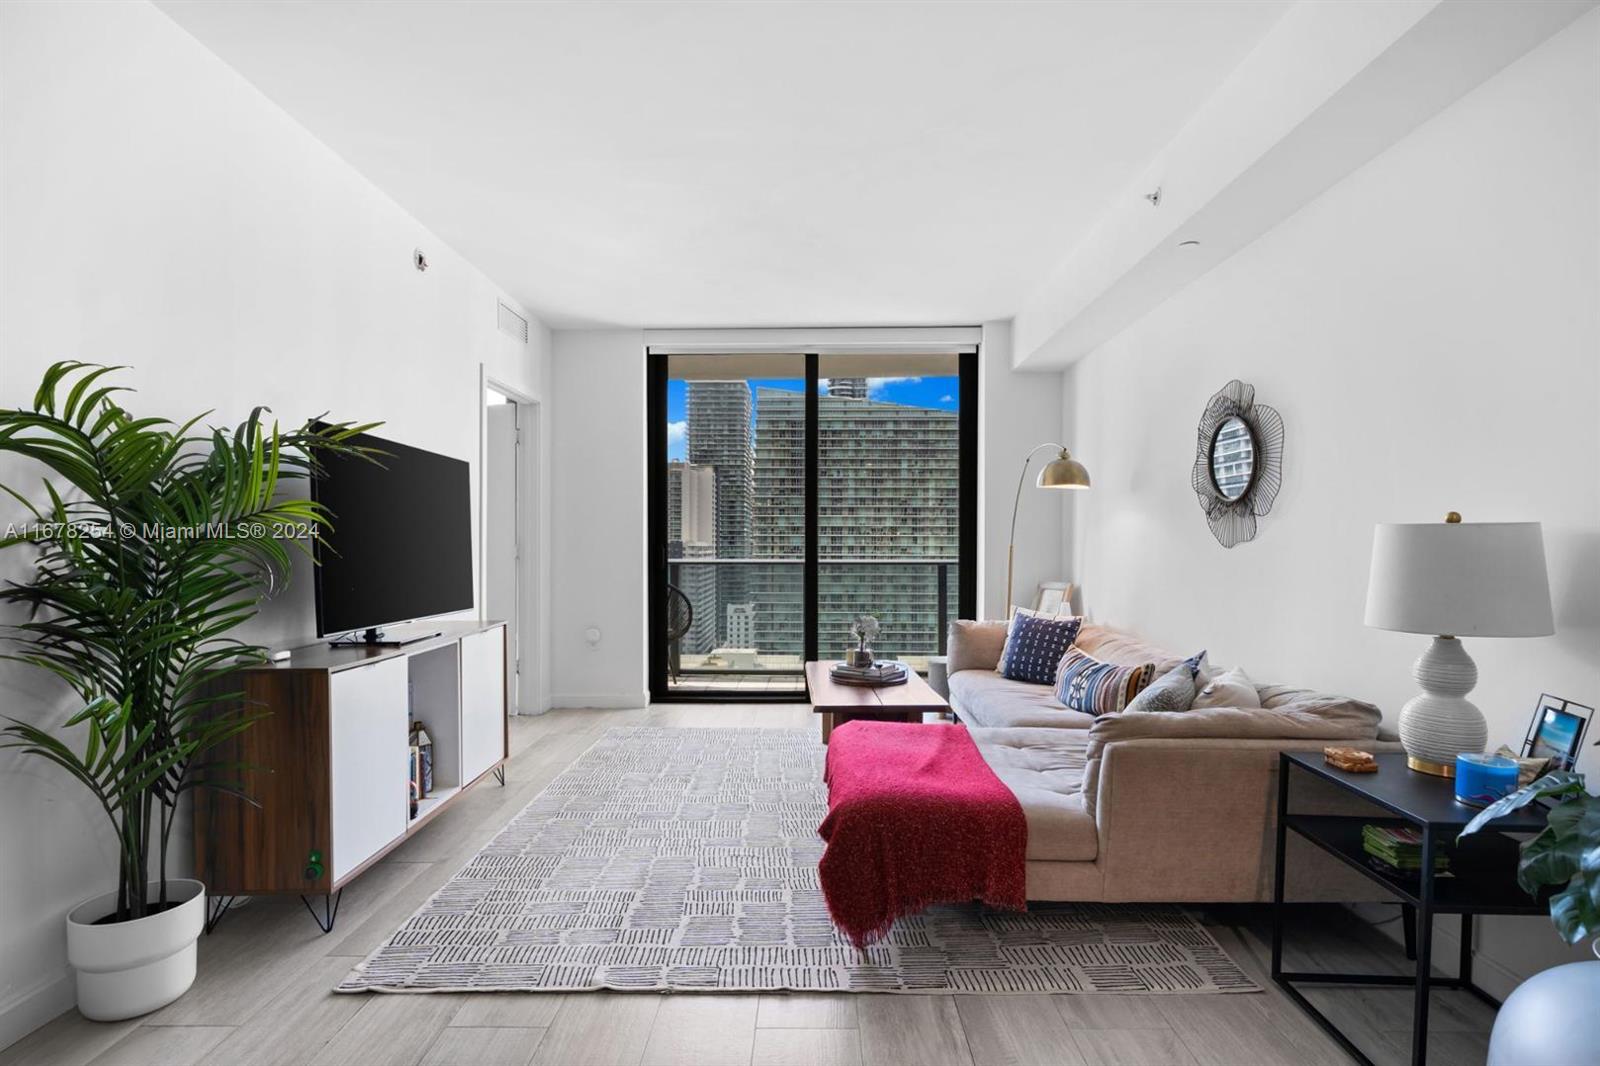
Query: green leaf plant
{"points": [[1566, 852], [153, 542]]}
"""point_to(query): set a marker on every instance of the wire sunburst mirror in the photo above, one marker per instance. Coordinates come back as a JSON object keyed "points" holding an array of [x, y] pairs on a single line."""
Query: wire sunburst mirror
{"points": [[1238, 463]]}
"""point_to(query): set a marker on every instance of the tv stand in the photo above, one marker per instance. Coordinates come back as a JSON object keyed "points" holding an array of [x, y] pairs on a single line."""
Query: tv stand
{"points": [[327, 767]]}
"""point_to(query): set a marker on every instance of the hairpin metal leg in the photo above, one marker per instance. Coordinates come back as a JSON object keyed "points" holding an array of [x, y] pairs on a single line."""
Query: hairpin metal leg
{"points": [[330, 911], [216, 907], [500, 774]]}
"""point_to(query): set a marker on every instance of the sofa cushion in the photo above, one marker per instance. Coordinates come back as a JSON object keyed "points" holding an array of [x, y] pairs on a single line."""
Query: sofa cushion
{"points": [[1035, 644], [1112, 645], [984, 698], [974, 645], [1085, 683], [1231, 688], [1044, 770], [1174, 690], [1327, 718]]}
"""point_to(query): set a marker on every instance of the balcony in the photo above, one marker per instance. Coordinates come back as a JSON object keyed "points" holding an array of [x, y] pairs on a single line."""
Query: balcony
{"points": [[758, 647]]}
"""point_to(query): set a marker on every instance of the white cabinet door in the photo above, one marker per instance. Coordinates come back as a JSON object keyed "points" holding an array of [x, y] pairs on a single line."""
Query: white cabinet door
{"points": [[483, 701], [370, 749]]}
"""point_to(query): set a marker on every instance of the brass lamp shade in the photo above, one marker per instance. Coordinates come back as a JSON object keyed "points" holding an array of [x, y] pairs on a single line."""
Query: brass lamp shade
{"points": [[1063, 472]]}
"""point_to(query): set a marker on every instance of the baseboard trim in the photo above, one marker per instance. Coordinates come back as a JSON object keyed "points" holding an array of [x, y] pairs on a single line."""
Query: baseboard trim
{"points": [[1488, 973], [600, 701], [33, 1009]]}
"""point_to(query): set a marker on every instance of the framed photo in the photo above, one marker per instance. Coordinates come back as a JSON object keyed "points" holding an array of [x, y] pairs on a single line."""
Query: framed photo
{"points": [[1053, 598], [1556, 732]]}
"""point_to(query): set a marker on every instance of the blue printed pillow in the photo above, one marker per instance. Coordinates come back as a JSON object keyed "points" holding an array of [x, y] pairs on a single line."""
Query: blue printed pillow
{"points": [[1174, 690], [1086, 684], [1034, 646]]}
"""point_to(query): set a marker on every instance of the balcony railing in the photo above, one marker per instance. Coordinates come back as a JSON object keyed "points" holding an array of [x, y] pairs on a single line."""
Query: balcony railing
{"points": [[913, 599]]}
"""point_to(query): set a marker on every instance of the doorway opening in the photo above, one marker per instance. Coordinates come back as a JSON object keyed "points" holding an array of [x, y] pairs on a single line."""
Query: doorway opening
{"points": [[508, 548]]}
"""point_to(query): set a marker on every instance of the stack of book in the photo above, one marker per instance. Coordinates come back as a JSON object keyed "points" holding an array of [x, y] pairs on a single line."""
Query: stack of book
{"points": [[1398, 850], [881, 672]]}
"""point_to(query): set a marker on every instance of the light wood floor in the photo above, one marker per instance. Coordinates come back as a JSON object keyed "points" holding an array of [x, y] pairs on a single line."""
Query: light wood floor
{"points": [[262, 994]]}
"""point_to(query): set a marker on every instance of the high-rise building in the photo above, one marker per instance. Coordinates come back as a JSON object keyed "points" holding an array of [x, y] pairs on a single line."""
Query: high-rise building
{"points": [[719, 437], [888, 485], [848, 388], [692, 534], [691, 503]]}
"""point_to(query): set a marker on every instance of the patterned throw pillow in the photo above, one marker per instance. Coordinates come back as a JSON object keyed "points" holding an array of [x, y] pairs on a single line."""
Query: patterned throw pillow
{"points": [[1174, 690], [1086, 684], [1035, 644]]}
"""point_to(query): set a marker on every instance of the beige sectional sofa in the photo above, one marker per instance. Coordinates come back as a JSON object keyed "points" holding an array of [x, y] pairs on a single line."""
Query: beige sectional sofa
{"points": [[1155, 806]]}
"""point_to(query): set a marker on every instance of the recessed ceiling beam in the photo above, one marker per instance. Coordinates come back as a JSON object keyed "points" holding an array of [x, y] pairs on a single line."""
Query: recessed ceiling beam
{"points": [[1332, 86]]}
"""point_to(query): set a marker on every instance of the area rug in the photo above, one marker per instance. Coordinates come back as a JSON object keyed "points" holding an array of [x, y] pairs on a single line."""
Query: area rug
{"points": [[685, 860]]}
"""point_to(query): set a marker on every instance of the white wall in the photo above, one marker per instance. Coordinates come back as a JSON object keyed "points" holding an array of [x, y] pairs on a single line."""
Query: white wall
{"points": [[1017, 413], [598, 520], [1430, 331], [157, 211], [598, 506]]}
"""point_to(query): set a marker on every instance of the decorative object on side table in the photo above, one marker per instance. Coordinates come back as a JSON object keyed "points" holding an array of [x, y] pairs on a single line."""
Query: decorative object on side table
{"points": [[1062, 472], [1454, 579], [1565, 855], [1482, 779], [1557, 731], [132, 601], [1351, 760], [865, 629], [1238, 463]]}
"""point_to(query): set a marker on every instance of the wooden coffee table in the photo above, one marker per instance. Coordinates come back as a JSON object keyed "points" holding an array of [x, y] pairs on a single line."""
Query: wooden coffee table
{"points": [[839, 704]]}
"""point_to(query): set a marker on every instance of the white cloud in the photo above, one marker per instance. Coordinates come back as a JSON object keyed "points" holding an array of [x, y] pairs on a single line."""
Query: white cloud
{"points": [[677, 432], [876, 386], [822, 386], [947, 398]]}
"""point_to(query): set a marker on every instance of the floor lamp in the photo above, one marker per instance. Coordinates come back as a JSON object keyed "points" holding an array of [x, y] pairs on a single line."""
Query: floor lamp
{"points": [[1062, 472]]}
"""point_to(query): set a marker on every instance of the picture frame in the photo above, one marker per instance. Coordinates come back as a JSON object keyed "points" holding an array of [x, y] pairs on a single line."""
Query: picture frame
{"points": [[1053, 598], [1557, 731]]}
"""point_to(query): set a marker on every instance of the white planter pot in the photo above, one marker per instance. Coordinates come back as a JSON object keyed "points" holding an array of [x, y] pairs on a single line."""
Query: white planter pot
{"points": [[126, 969], [1550, 1019]]}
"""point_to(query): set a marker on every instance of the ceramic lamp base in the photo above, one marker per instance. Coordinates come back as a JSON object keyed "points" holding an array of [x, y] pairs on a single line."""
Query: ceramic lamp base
{"points": [[1440, 724]]}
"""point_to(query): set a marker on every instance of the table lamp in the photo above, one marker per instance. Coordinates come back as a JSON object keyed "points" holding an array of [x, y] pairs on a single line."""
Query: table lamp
{"points": [[1478, 579]]}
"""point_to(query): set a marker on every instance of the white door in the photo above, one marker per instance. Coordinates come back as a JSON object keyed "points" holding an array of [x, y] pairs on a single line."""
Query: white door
{"points": [[370, 754], [483, 702], [501, 511]]}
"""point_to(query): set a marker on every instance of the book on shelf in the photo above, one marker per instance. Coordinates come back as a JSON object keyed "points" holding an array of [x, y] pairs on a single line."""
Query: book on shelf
{"points": [[1398, 849]]}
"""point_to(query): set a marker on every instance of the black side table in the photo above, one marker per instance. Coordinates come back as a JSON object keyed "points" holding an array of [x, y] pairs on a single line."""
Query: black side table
{"points": [[1482, 875]]}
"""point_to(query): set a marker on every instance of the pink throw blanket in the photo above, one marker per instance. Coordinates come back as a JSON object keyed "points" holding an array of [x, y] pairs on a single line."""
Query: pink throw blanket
{"points": [[915, 818]]}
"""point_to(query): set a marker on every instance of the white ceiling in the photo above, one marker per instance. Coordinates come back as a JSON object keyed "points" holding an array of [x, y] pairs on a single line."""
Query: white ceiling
{"points": [[744, 164]]}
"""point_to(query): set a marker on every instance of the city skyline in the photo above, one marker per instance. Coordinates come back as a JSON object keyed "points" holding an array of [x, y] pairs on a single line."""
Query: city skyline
{"points": [[937, 393], [888, 488]]}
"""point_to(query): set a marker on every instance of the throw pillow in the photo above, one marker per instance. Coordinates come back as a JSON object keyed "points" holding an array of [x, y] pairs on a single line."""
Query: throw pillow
{"points": [[1174, 690], [1086, 684], [1035, 644], [1232, 688]]}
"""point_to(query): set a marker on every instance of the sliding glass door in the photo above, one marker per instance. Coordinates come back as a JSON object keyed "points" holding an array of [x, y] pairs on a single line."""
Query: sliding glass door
{"points": [[790, 493]]}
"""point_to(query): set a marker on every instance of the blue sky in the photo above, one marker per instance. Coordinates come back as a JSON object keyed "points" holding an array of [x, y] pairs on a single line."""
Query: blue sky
{"points": [[938, 393]]}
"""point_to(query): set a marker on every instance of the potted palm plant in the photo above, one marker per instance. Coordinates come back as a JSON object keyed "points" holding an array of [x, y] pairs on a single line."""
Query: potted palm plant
{"points": [[1549, 1019], [153, 542]]}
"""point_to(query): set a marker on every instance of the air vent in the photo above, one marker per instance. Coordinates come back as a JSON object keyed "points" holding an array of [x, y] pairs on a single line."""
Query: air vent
{"points": [[513, 324]]}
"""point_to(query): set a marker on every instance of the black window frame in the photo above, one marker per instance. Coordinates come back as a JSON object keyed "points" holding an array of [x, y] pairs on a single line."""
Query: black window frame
{"points": [[657, 566]]}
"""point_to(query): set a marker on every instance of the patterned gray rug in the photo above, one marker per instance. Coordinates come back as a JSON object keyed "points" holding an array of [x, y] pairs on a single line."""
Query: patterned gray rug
{"points": [[685, 860]]}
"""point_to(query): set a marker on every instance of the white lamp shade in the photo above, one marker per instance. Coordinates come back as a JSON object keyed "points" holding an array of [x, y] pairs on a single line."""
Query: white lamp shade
{"points": [[1478, 579]]}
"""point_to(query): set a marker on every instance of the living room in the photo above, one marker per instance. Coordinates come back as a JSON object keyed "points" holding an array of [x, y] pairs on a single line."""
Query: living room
{"points": [[1078, 429]]}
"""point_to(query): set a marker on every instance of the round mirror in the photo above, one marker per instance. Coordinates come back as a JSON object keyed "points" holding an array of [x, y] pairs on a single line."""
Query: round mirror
{"points": [[1233, 458]]}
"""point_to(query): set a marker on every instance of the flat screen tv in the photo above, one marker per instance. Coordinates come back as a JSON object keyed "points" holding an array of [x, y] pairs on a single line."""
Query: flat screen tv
{"points": [[399, 543]]}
